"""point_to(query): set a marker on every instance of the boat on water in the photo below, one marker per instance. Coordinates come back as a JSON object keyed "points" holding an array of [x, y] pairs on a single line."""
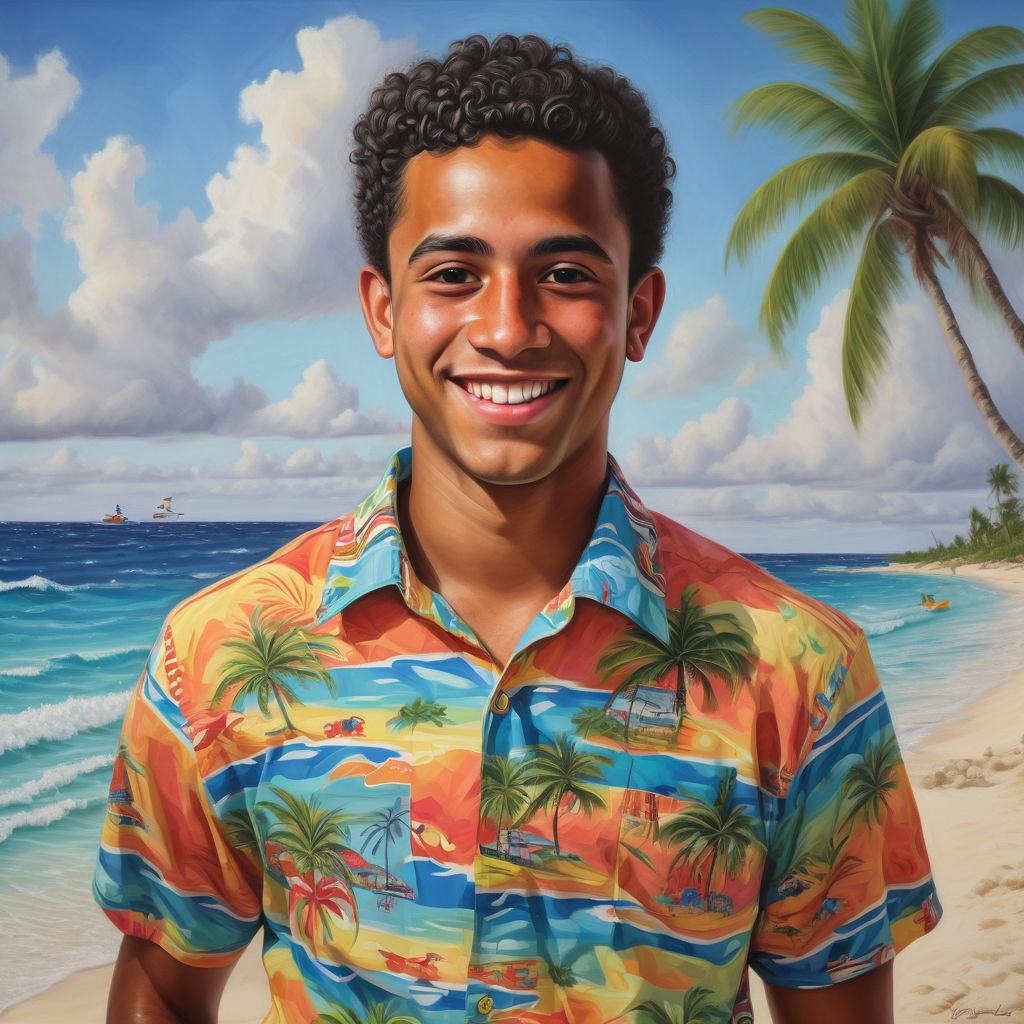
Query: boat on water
{"points": [[164, 510], [929, 603], [117, 516]]}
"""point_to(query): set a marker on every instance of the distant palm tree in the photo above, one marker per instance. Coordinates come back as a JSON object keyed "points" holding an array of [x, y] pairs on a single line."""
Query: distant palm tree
{"points": [[557, 770], [716, 831], [702, 645], [504, 791], [699, 1006], [981, 525], [385, 826], [419, 711], [1002, 482], [379, 1013], [274, 654], [870, 781], [902, 180]]}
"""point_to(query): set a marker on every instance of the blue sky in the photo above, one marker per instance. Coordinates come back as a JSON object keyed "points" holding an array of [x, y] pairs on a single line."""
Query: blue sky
{"points": [[177, 263]]}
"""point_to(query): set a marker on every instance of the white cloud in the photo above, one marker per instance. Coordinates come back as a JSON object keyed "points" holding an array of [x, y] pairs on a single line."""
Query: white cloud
{"points": [[319, 406], [921, 432], [705, 346], [30, 107], [279, 244]]}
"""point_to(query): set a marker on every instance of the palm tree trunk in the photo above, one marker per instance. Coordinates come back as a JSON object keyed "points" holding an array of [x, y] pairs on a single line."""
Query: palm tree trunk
{"points": [[289, 724], [993, 285], [554, 824], [976, 387], [680, 695]]}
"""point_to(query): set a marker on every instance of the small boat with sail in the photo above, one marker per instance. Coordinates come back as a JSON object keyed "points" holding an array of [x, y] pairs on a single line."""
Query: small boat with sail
{"points": [[164, 510], [117, 516]]}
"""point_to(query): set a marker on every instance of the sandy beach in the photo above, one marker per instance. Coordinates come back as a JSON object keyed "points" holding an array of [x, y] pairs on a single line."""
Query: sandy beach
{"points": [[969, 781]]}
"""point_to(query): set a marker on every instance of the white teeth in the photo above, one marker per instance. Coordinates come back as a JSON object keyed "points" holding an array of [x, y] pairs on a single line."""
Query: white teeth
{"points": [[515, 393]]}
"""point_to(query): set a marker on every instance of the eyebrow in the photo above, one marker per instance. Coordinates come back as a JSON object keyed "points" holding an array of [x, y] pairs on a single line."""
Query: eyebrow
{"points": [[478, 247]]}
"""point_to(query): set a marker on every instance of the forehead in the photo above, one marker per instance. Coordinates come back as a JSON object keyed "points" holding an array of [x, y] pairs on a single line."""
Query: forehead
{"points": [[505, 188]]}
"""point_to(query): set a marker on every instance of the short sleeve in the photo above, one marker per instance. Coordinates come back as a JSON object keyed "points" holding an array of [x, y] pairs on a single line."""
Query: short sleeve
{"points": [[166, 870], [847, 882]]}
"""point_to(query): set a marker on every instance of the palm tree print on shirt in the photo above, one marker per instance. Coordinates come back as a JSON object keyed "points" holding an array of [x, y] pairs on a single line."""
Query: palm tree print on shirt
{"points": [[716, 834], [557, 770], [378, 1013], [419, 711], [274, 654], [504, 793], [870, 781], [314, 839], [386, 826], [702, 646], [699, 1006], [902, 181]]}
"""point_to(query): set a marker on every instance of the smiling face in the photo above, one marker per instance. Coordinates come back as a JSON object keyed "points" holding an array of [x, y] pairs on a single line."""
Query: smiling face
{"points": [[509, 313]]}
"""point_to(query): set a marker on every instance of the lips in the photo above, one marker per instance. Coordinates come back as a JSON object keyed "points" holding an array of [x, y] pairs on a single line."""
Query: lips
{"points": [[517, 392]]}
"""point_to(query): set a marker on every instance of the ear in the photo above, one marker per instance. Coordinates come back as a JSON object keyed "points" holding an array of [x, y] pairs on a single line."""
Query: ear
{"points": [[644, 309], [375, 298]]}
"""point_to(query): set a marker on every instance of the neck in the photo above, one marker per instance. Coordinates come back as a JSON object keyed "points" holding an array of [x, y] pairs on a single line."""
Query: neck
{"points": [[507, 547]]}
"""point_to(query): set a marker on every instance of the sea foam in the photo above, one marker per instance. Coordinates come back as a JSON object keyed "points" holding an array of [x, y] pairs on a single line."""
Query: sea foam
{"points": [[40, 583], [40, 816], [54, 778], [60, 721]]}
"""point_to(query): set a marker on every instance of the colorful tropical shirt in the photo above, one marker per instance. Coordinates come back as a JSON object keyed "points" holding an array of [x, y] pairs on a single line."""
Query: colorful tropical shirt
{"points": [[686, 768]]}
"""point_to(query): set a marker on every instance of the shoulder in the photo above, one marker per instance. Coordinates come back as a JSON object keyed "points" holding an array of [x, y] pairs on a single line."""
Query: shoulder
{"points": [[285, 587], [729, 581]]}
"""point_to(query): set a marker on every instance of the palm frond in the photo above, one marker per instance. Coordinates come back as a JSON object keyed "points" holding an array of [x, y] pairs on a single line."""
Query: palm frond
{"points": [[979, 96], [1001, 207], [1000, 146], [809, 42], [948, 159], [878, 279], [825, 237], [795, 184], [969, 53], [802, 110]]}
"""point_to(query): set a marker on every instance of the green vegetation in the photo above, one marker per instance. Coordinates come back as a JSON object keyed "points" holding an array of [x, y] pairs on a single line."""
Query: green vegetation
{"points": [[900, 175], [998, 536]]}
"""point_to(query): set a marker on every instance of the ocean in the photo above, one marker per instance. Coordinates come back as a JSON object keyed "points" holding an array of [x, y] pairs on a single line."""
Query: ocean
{"points": [[81, 604]]}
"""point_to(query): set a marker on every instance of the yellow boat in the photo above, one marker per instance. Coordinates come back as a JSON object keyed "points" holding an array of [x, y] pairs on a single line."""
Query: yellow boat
{"points": [[929, 602]]}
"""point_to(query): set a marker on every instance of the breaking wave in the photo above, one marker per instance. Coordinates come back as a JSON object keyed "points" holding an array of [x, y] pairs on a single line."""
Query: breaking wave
{"points": [[60, 721], [40, 816], [54, 778]]}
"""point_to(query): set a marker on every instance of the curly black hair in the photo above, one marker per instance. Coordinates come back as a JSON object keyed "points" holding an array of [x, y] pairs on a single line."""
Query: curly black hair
{"points": [[512, 86]]}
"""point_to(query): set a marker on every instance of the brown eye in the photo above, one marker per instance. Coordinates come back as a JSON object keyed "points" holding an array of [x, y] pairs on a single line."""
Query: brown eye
{"points": [[452, 275], [568, 275]]}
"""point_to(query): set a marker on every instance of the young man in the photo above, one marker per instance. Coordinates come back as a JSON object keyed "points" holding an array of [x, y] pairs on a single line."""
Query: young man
{"points": [[501, 744]]}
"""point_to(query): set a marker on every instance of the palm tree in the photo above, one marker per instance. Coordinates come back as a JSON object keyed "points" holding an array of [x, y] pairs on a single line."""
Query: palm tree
{"points": [[315, 838], [504, 791], [868, 783], [717, 831], [1002, 482], [700, 1006], [274, 652], [594, 721], [418, 712], [562, 975], [559, 769], [385, 826], [903, 177], [702, 645], [379, 1013], [981, 525]]}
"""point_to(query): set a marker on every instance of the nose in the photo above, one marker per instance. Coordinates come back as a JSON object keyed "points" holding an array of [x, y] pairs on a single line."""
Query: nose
{"points": [[508, 318]]}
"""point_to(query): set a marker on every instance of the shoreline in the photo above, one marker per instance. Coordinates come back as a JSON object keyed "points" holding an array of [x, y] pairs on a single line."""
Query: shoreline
{"points": [[971, 818]]}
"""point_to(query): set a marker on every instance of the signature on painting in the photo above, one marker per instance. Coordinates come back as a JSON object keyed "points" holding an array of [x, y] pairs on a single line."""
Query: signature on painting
{"points": [[969, 1013]]}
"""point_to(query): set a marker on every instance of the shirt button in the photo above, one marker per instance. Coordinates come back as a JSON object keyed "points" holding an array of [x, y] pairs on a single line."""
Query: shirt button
{"points": [[500, 702], [484, 1005]]}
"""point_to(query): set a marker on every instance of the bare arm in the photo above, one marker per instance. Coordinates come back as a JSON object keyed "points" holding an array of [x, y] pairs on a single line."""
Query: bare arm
{"points": [[866, 999], [150, 987]]}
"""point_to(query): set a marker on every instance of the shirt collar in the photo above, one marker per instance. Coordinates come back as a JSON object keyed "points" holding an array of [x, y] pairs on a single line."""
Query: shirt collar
{"points": [[618, 567]]}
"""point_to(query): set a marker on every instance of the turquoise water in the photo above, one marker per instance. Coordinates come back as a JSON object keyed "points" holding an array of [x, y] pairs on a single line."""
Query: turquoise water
{"points": [[80, 605]]}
